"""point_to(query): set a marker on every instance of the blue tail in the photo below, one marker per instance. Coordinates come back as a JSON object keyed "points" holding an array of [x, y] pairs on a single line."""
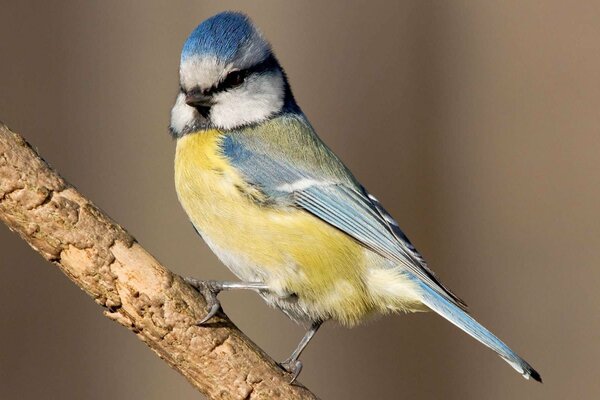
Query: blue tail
{"points": [[465, 322]]}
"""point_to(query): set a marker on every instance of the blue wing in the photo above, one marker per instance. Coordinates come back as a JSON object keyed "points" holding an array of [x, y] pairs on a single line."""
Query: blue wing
{"points": [[289, 163]]}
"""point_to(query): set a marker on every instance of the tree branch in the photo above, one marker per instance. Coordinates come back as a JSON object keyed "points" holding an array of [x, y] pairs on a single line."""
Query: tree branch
{"points": [[136, 291]]}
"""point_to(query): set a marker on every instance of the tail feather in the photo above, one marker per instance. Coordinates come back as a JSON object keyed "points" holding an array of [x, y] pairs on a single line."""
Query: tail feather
{"points": [[468, 324]]}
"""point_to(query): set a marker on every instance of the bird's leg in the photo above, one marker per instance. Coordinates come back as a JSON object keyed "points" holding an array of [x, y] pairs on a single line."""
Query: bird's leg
{"points": [[210, 290], [292, 364]]}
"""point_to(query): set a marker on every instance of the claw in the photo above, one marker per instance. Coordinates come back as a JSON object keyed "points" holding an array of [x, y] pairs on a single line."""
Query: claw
{"points": [[209, 290], [292, 364], [294, 367], [213, 310]]}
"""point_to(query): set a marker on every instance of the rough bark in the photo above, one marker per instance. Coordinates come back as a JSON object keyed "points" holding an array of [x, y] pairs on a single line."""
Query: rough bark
{"points": [[135, 290]]}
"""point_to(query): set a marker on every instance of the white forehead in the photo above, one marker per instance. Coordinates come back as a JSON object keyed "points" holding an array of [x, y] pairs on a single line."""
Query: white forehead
{"points": [[201, 71], [205, 70]]}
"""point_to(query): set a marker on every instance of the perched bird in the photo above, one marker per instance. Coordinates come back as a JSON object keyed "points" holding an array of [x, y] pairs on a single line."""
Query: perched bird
{"points": [[279, 208]]}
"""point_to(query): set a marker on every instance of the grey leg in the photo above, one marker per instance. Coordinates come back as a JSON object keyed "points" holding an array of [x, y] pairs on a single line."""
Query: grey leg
{"points": [[210, 290], [292, 364]]}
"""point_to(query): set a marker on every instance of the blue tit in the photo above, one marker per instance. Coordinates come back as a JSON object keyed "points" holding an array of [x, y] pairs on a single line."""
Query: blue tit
{"points": [[279, 208]]}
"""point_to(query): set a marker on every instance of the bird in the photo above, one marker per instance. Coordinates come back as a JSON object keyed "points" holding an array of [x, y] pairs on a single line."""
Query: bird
{"points": [[280, 209]]}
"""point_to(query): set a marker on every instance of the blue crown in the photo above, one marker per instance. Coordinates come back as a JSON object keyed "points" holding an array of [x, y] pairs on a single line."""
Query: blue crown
{"points": [[221, 36]]}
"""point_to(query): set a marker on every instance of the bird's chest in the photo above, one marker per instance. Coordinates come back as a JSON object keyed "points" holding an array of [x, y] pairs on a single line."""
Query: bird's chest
{"points": [[224, 209], [207, 186], [292, 251]]}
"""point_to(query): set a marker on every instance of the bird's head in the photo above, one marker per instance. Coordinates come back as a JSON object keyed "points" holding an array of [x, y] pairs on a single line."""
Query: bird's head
{"points": [[229, 77]]}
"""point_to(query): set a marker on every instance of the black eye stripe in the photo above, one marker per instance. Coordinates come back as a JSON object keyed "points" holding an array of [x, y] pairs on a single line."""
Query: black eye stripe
{"points": [[237, 77], [234, 78]]}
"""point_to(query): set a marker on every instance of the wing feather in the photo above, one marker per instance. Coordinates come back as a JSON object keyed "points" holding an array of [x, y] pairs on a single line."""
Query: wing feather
{"points": [[353, 213], [295, 168]]}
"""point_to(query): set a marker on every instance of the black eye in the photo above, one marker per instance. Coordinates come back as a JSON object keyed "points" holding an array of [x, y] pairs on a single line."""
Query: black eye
{"points": [[234, 78]]}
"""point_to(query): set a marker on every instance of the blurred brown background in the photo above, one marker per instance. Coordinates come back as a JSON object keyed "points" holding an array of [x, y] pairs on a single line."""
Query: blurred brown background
{"points": [[477, 124]]}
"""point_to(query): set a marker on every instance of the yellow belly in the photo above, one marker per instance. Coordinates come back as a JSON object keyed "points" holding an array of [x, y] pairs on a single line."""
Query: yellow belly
{"points": [[292, 251]]}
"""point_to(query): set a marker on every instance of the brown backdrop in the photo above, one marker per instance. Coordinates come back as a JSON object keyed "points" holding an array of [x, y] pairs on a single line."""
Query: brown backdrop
{"points": [[476, 123]]}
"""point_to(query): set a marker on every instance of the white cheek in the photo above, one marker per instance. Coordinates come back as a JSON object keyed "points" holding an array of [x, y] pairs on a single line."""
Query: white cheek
{"points": [[182, 115], [259, 98]]}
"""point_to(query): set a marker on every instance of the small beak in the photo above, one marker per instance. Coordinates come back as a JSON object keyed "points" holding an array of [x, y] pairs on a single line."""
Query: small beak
{"points": [[197, 99]]}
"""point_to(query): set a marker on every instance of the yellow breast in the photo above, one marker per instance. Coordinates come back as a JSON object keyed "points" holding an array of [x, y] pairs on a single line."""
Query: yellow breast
{"points": [[291, 250]]}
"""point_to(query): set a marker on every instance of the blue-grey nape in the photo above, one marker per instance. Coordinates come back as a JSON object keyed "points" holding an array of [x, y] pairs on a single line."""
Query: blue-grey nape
{"points": [[220, 36]]}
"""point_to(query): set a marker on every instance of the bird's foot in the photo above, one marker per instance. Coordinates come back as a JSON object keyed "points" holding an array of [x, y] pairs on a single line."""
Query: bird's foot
{"points": [[292, 366], [209, 290]]}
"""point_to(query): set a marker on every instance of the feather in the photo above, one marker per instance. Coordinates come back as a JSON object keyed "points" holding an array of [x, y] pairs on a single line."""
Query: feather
{"points": [[289, 163], [468, 324]]}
